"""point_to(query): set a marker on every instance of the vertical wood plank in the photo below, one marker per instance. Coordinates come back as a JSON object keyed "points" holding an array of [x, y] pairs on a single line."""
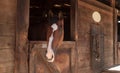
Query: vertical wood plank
{"points": [[21, 50]]}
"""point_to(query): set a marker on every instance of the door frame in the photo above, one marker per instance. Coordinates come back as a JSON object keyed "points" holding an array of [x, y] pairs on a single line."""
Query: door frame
{"points": [[22, 43]]}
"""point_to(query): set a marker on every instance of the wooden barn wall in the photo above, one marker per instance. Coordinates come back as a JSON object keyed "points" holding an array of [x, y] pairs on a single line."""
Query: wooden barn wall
{"points": [[7, 35], [21, 49], [84, 16], [118, 60], [85, 10]]}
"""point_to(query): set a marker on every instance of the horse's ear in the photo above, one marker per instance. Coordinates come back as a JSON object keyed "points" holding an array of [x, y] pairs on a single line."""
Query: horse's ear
{"points": [[50, 13], [60, 15]]}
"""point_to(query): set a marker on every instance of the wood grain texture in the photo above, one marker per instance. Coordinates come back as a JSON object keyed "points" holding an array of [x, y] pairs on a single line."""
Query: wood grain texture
{"points": [[8, 11], [85, 20], [63, 58], [7, 42], [6, 60], [7, 35], [118, 54], [7, 29], [21, 49]]}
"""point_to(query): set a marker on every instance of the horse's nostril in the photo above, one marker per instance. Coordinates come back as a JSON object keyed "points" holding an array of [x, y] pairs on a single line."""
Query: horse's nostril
{"points": [[46, 51], [51, 58]]}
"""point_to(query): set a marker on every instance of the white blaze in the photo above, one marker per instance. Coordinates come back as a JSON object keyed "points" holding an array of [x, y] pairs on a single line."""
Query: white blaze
{"points": [[54, 26], [50, 53], [116, 68]]}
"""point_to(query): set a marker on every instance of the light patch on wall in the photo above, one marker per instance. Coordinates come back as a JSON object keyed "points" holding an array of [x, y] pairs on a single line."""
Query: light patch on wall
{"points": [[118, 21], [96, 16], [116, 68], [57, 5], [67, 5]]}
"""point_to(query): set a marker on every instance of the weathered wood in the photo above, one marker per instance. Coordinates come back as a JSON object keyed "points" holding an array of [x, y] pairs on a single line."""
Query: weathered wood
{"points": [[97, 48], [73, 19], [7, 42], [118, 54], [85, 20], [98, 4], [8, 12], [63, 58], [7, 67], [21, 49], [9, 57], [7, 35], [7, 29], [81, 33], [90, 4], [6, 60]]}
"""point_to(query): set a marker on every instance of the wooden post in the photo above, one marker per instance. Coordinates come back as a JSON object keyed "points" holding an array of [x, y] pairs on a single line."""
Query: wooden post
{"points": [[115, 57], [74, 32], [21, 50]]}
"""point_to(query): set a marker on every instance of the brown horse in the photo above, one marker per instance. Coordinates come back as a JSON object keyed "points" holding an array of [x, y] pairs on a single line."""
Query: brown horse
{"points": [[55, 36]]}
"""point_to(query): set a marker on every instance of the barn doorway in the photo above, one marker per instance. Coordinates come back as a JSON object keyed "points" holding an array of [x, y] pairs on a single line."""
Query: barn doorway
{"points": [[39, 18]]}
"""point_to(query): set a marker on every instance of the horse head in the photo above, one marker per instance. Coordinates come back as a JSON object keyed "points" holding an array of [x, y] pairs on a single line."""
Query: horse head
{"points": [[55, 36]]}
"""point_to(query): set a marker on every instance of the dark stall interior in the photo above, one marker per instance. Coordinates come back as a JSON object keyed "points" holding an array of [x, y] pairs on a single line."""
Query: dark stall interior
{"points": [[118, 28], [39, 17]]}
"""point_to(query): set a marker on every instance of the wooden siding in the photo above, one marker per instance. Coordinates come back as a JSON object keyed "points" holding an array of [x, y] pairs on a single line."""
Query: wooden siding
{"points": [[12, 33], [7, 35], [85, 10], [118, 52], [65, 59], [21, 40]]}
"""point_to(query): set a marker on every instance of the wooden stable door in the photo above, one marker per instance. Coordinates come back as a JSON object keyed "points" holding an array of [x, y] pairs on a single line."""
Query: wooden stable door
{"points": [[64, 58], [97, 48]]}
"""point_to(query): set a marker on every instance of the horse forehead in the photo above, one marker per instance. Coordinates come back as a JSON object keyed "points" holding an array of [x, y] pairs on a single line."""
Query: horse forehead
{"points": [[60, 22], [54, 26]]}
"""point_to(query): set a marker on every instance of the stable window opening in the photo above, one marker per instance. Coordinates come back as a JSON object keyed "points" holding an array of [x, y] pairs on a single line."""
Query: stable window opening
{"points": [[39, 18]]}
